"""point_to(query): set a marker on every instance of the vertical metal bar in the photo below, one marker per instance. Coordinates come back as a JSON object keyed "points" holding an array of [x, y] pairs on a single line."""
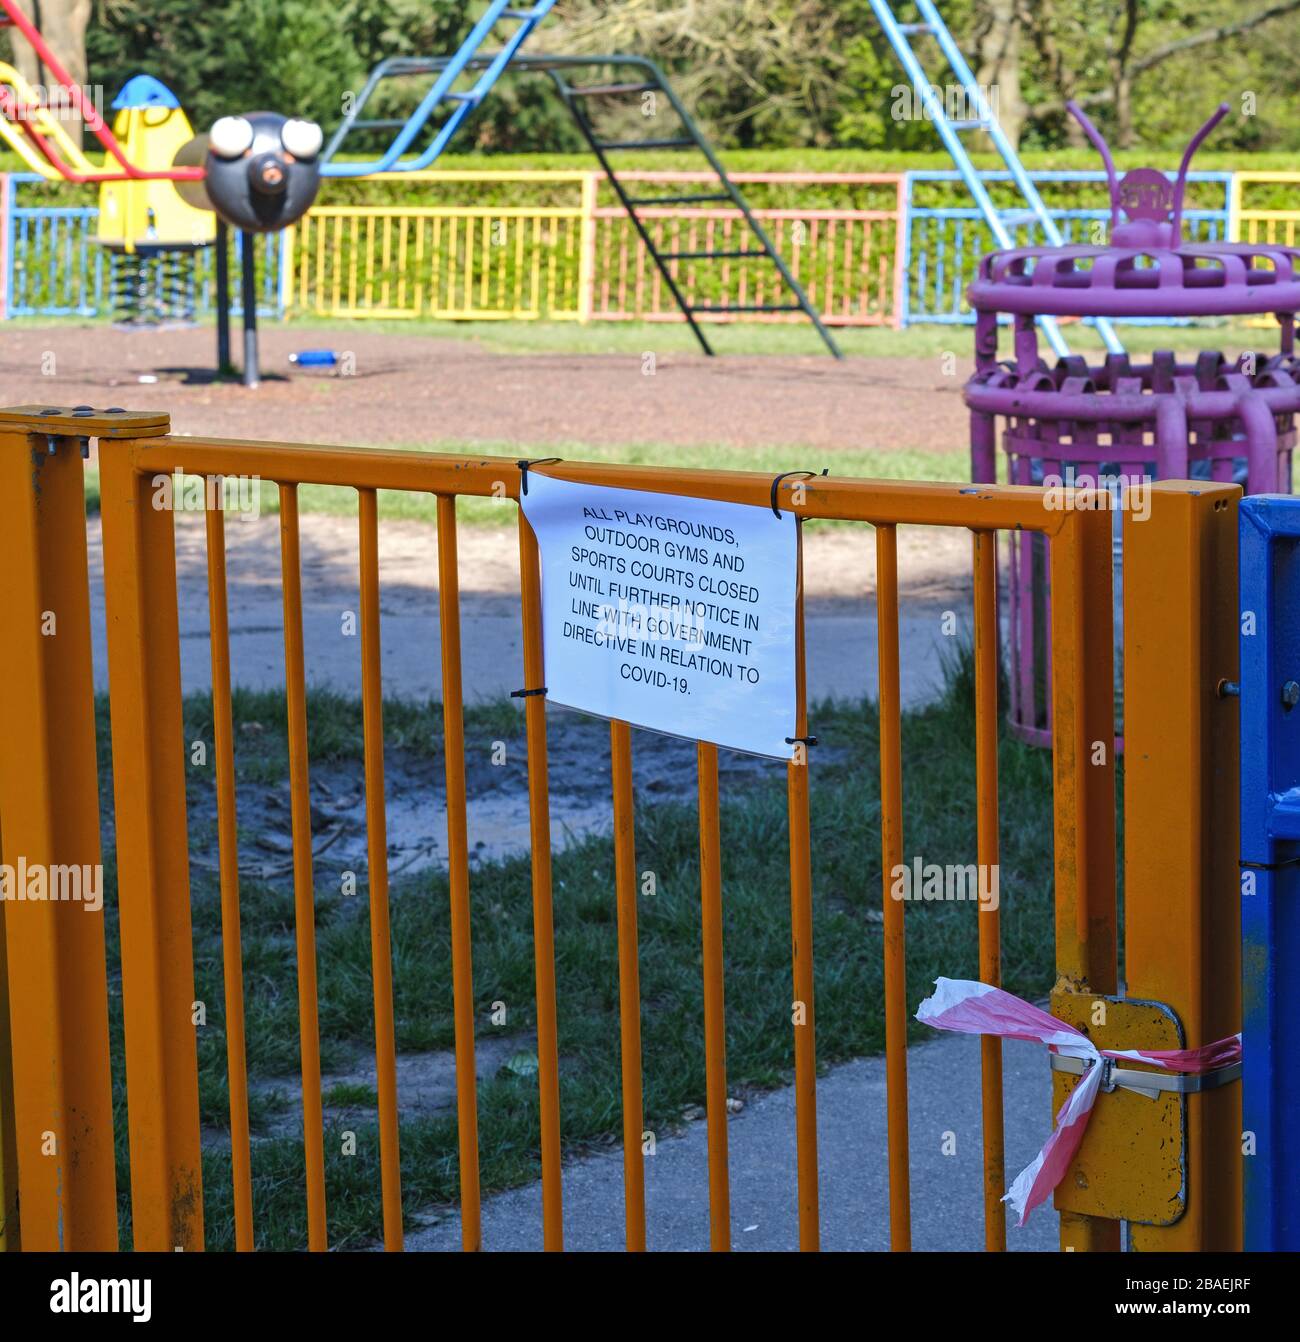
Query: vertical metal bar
{"points": [[152, 858], [58, 1137], [381, 952], [10, 1241], [228, 860], [222, 246], [1182, 938], [801, 930], [539, 824], [304, 897], [9, 1237], [986, 801], [629, 984], [248, 297], [6, 243], [715, 1022], [462, 970], [902, 201], [891, 844], [1083, 767]]}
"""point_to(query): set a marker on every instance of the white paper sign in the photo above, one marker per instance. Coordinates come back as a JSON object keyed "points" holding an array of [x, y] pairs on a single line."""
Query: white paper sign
{"points": [[671, 613]]}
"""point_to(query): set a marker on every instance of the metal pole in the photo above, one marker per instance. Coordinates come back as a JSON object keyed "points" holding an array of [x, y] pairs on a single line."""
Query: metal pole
{"points": [[59, 1131], [1182, 909], [1269, 879], [248, 296], [222, 244]]}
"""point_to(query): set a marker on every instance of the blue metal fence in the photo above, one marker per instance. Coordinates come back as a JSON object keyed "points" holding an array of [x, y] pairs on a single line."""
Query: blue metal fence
{"points": [[942, 244], [55, 268], [1270, 867]]}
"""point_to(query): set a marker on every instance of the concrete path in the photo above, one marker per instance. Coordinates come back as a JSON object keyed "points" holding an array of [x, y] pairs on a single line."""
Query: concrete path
{"points": [[947, 1198], [840, 607]]}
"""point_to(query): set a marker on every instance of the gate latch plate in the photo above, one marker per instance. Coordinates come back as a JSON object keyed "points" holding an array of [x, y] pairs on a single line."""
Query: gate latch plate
{"points": [[1131, 1164]]}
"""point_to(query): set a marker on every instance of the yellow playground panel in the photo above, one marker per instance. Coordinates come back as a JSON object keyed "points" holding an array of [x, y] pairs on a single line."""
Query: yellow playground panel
{"points": [[152, 127]]}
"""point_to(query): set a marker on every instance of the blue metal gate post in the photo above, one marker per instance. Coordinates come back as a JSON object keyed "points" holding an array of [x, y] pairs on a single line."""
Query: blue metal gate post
{"points": [[1270, 867]]}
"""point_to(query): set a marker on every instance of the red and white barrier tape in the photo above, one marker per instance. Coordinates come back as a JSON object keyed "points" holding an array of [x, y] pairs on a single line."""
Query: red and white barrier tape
{"points": [[969, 1007]]}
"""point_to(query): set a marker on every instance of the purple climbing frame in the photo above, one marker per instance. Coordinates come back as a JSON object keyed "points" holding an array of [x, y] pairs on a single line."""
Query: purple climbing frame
{"points": [[1125, 420]]}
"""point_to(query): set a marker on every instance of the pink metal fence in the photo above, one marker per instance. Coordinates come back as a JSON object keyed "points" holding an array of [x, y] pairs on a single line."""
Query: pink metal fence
{"points": [[849, 261]]}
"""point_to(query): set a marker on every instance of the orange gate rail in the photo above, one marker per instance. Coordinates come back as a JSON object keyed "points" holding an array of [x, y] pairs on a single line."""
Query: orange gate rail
{"points": [[1180, 894]]}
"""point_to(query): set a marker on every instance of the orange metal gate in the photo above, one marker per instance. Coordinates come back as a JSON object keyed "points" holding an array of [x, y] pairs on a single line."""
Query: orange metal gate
{"points": [[1180, 896]]}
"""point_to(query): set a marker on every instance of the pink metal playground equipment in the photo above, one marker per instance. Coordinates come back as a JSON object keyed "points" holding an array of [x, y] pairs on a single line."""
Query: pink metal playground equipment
{"points": [[1125, 420]]}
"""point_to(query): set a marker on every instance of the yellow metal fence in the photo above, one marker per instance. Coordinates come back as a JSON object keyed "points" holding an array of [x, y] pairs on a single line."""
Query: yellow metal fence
{"points": [[1276, 222], [1181, 891], [583, 260]]}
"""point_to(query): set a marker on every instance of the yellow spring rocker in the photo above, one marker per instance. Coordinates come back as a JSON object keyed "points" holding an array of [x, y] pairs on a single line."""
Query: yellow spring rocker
{"points": [[153, 232]]}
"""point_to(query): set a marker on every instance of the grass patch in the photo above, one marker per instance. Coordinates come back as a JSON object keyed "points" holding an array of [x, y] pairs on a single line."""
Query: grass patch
{"points": [[923, 341], [875, 463], [335, 728], [940, 826]]}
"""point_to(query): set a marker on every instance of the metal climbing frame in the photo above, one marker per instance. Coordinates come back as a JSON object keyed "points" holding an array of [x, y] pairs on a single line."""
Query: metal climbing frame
{"points": [[1172, 1164], [463, 101], [950, 131], [635, 76]]}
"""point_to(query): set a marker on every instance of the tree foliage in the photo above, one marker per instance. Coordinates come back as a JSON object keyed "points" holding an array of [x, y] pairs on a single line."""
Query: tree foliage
{"points": [[755, 72]]}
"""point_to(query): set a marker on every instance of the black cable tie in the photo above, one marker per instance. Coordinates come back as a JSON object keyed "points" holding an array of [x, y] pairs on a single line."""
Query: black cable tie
{"points": [[524, 463], [1269, 866], [785, 475], [801, 740], [527, 694]]}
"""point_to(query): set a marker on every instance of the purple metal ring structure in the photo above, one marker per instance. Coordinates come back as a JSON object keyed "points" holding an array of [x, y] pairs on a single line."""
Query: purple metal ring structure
{"points": [[1125, 420]]}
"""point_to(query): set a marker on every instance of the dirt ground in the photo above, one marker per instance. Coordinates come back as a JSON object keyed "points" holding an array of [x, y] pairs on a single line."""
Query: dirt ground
{"points": [[421, 389]]}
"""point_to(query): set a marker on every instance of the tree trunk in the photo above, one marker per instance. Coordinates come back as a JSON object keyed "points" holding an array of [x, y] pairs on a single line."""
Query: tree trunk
{"points": [[997, 38], [1123, 109], [1038, 19], [62, 23]]}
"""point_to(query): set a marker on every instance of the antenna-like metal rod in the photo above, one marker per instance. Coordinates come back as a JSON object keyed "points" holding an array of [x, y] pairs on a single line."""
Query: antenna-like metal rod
{"points": [[1181, 184], [1100, 145]]}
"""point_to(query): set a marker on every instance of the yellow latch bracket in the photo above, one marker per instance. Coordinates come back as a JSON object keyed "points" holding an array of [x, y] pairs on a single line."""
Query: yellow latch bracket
{"points": [[1132, 1162]]}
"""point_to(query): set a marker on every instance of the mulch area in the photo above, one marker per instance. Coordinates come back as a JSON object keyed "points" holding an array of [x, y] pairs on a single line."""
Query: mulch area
{"points": [[422, 390]]}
